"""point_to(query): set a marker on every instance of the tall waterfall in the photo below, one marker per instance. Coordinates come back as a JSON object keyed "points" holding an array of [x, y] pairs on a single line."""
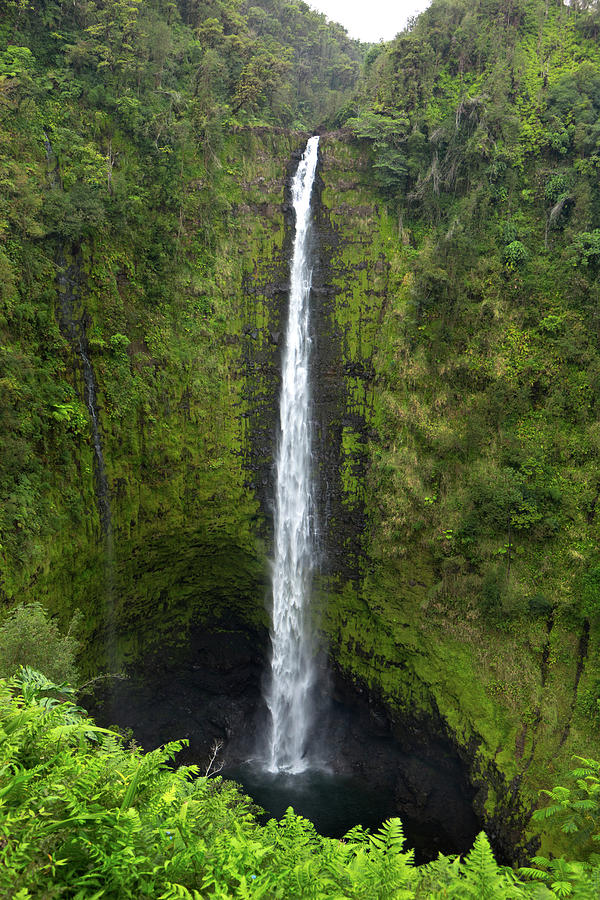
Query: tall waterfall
{"points": [[292, 665]]}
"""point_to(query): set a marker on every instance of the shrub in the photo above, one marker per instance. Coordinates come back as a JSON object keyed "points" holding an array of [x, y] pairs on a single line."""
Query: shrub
{"points": [[515, 255], [556, 187], [589, 591], [29, 637], [586, 248], [130, 825]]}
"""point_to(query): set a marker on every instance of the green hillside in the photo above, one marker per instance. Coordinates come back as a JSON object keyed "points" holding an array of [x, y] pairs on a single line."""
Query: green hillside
{"points": [[146, 148]]}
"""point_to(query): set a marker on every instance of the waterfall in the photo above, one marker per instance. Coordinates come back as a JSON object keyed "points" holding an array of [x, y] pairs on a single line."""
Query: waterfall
{"points": [[74, 330], [91, 402], [292, 664]]}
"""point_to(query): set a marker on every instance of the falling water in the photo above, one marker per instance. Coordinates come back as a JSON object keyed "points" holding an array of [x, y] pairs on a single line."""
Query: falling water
{"points": [[73, 329], [292, 665], [91, 401]]}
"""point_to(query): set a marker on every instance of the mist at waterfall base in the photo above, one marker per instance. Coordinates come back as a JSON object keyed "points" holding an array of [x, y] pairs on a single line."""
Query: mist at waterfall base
{"points": [[335, 803], [365, 770]]}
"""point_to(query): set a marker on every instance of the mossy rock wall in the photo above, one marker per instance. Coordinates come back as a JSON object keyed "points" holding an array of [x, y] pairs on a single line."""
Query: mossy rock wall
{"points": [[174, 387], [508, 690], [187, 407]]}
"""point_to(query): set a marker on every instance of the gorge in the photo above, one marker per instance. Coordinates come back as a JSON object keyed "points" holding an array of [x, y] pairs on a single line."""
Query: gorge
{"points": [[218, 675], [452, 436]]}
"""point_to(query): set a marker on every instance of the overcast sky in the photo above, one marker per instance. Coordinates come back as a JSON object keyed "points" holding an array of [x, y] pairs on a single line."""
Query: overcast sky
{"points": [[370, 20]]}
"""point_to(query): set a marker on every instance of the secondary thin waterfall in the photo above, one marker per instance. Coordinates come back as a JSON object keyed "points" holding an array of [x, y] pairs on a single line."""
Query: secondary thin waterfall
{"points": [[292, 665]]}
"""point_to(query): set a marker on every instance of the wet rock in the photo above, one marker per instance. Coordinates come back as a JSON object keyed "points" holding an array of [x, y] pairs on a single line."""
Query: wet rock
{"points": [[211, 690]]}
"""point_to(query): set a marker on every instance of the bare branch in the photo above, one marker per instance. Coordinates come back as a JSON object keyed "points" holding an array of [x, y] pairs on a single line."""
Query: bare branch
{"points": [[118, 675], [214, 766]]}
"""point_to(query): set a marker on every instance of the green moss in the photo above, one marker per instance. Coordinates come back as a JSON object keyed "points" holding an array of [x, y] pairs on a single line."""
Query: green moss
{"points": [[187, 545], [413, 628]]}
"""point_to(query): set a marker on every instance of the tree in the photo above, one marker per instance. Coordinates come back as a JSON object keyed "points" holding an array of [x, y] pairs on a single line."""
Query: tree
{"points": [[29, 637]]}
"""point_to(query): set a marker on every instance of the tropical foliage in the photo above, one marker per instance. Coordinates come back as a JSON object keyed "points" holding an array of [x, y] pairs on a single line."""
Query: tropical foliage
{"points": [[120, 184], [114, 184], [83, 815], [481, 119], [28, 636]]}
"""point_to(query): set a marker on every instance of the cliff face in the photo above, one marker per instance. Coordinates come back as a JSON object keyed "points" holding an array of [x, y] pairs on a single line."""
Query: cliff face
{"points": [[508, 692], [176, 419], [186, 399]]}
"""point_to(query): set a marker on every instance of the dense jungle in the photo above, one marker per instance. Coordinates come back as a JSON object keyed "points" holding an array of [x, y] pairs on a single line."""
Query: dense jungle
{"points": [[147, 149]]}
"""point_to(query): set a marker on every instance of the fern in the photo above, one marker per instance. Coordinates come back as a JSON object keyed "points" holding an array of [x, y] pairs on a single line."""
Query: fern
{"points": [[176, 891], [86, 819], [534, 874], [390, 836], [483, 879], [578, 808]]}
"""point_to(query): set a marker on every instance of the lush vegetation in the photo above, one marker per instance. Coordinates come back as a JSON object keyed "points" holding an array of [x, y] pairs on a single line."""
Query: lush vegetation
{"points": [[82, 815], [29, 637], [124, 206], [117, 178], [482, 119]]}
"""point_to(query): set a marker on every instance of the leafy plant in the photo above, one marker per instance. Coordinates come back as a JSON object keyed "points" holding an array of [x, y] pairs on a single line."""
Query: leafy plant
{"points": [[29, 637], [132, 826], [577, 808], [515, 254]]}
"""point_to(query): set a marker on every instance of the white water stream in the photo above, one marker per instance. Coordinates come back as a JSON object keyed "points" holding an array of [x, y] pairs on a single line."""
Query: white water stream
{"points": [[292, 666]]}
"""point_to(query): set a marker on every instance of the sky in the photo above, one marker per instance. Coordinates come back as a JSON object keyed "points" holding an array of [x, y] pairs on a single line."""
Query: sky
{"points": [[370, 20]]}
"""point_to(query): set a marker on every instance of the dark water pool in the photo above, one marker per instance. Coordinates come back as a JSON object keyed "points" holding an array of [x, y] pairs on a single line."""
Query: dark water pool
{"points": [[334, 804], [382, 768]]}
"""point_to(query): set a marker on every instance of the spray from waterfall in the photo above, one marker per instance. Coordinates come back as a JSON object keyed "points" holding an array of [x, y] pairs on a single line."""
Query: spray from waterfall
{"points": [[292, 676]]}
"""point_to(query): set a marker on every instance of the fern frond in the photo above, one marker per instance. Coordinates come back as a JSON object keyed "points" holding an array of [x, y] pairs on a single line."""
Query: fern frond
{"points": [[483, 879], [562, 888], [534, 874], [389, 837]]}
